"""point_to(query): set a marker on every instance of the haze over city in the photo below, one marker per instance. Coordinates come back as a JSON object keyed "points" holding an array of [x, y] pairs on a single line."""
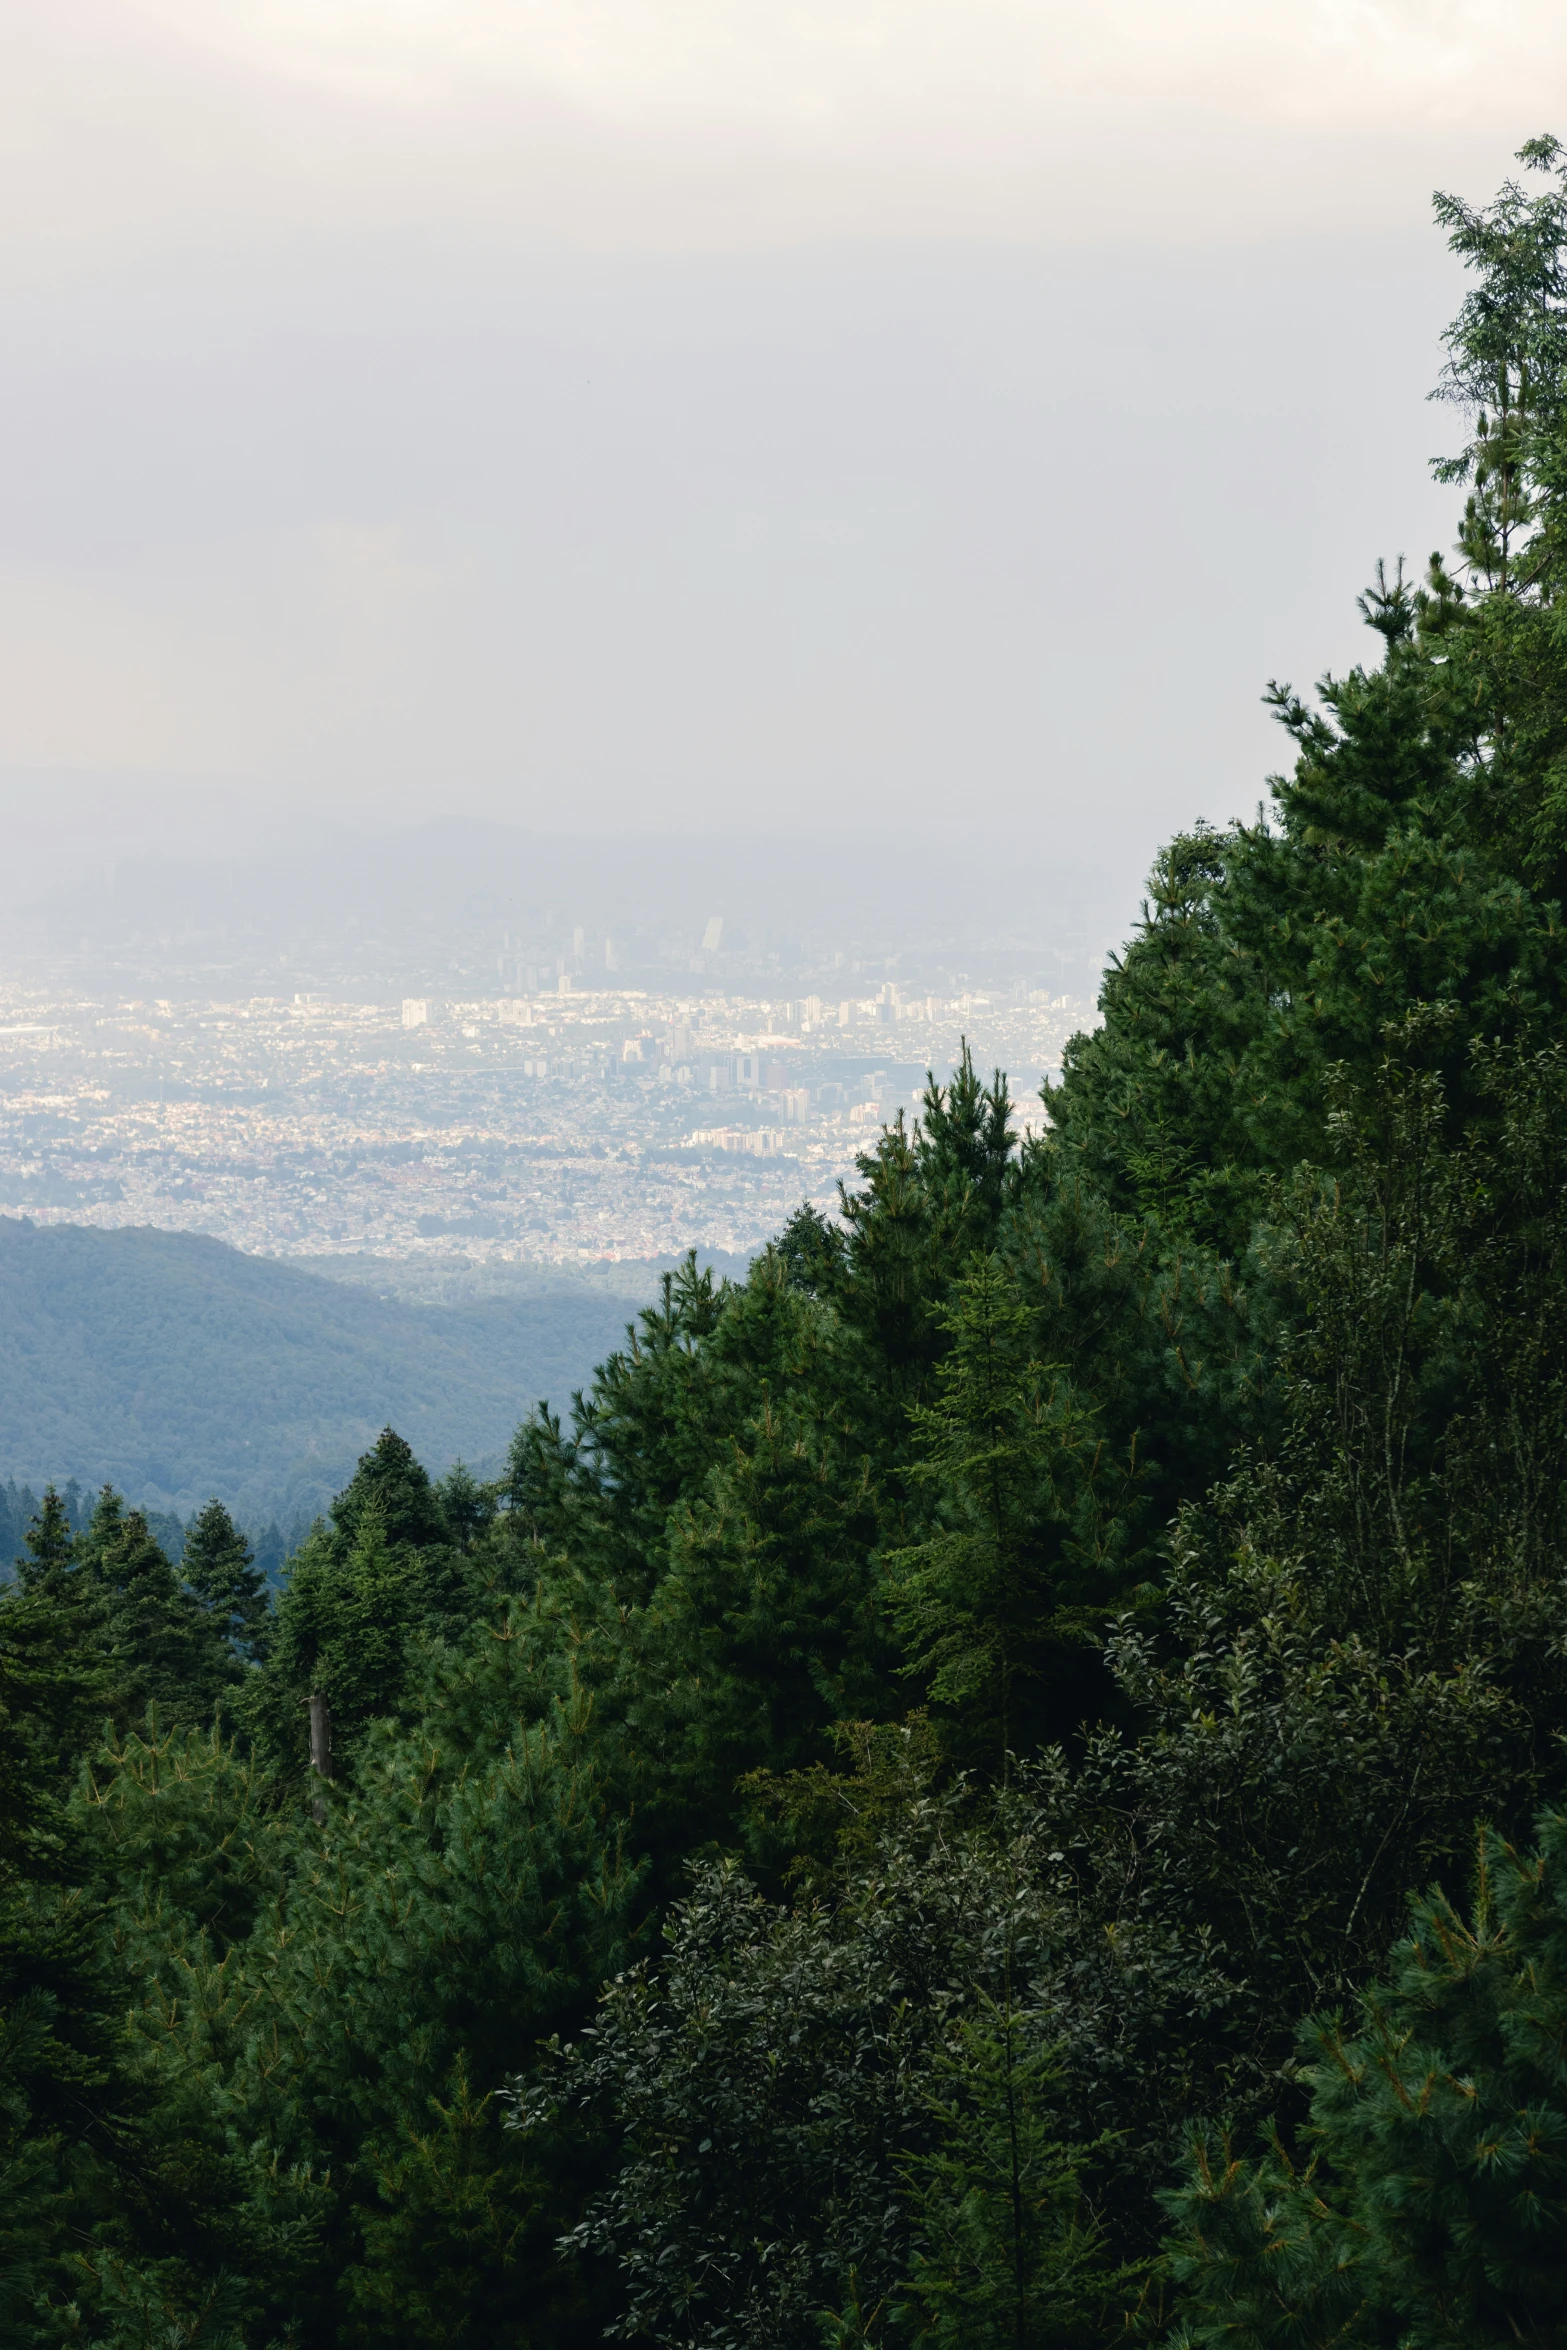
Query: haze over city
{"points": [[704, 554], [783, 1223], [615, 418], [490, 481]]}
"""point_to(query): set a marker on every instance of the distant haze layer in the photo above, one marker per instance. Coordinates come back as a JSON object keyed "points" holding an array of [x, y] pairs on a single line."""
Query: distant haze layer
{"points": [[917, 421]]}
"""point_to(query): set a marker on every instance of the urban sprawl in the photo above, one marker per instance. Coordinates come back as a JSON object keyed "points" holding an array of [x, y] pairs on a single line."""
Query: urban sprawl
{"points": [[549, 1128]]}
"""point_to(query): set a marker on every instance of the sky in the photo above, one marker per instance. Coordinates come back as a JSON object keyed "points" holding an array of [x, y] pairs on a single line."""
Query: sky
{"points": [[931, 417]]}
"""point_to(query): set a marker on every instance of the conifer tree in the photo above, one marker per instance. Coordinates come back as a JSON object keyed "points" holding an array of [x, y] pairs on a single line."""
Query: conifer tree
{"points": [[116, 2220], [1429, 2204], [466, 1506], [344, 1627], [163, 1646], [766, 1628], [67, 2102], [469, 1891], [219, 1569], [398, 1488], [994, 1603], [964, 1146], [657, 1418], [382, 1568], [102, 1528], [1007, 2253], [50, 1562]]}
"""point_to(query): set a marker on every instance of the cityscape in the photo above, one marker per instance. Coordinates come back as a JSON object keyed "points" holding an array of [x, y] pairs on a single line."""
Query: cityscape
{"points": [[571, 1125]]}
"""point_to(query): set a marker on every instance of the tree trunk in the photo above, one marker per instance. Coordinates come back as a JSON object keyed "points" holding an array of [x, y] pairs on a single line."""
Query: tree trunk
{"points": [[320, 1752]]}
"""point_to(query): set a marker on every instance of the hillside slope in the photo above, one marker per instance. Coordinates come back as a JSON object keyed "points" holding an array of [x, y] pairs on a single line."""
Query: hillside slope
{"points": [[178, 1367]]}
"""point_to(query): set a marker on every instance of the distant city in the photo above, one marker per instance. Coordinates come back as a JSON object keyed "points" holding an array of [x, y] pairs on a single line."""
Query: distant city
{"points": [[566, 1119]]}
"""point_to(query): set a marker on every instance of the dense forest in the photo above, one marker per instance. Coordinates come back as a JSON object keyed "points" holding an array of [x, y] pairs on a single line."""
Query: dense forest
{"points": [[175, 1367], [997, 1782]]}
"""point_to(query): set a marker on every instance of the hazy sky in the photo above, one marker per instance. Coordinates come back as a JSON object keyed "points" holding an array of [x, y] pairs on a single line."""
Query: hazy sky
{"points": [[740, 412]]}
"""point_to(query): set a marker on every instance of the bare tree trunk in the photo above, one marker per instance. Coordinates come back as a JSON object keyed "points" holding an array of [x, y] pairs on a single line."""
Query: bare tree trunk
{"points": [[320, 1752]]}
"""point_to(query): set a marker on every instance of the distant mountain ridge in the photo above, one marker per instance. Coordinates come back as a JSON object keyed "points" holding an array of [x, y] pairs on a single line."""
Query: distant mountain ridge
{"points": [[177, 1367]]}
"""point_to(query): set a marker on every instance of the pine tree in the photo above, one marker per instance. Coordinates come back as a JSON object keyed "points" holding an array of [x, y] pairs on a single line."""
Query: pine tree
{"points": [[344, 1626], [466, 1506], [163, 1646], [399, 1489], [219, 1569], [1007, 2254], [102, 1527], [468, 1892], [383, 1568], [766, 1628], [67, 2101], [994, 1602], [964, 1147], [114, 2224], [49, 1565], [1432, 2205]]}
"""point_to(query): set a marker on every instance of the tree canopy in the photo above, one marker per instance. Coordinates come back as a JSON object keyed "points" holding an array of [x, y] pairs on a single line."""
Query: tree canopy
{"points": [[997, 1781]]}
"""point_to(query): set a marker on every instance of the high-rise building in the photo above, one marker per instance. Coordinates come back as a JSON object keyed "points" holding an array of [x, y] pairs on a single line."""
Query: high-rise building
{"points": [[416, 1011]]}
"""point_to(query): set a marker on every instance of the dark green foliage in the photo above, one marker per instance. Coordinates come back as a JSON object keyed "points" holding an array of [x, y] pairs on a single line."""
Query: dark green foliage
{"points": [[345, 1627], [50, 1557], [1000, 1605], [362, 1587], [1199, 1463], [1360, 1647], [272, 1550], [811, 1251], [390, 1485], [835, 2119], [647, 1430], [162, 1645], [113, 2206], [463, 1899], [1433, 2205], [758, 2089], [181, 1829], [218, 1569], [1007, 2253], [927, 1200], [766, 1627]]}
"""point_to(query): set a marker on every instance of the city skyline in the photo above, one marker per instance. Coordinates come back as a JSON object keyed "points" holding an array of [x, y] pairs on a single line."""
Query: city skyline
{"points": [[568, 1128]]}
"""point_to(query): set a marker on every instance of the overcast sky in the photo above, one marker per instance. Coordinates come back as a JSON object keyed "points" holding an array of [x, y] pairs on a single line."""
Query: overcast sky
{"points": [[733, 413]]}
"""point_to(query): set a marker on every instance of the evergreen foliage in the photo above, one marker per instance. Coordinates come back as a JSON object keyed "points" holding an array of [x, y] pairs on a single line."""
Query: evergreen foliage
{"points": [[1430, 2203], [218, 1568], [1005, 2247], [1030, 1520], [641, 1966]]}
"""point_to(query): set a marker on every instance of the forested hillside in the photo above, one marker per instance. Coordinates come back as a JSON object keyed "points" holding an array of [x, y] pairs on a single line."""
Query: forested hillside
{"points": [[178, 1367], [997, 1782]]}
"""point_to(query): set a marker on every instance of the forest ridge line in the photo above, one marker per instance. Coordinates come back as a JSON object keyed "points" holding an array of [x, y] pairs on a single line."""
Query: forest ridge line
{"points": [[995, 1781]]}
